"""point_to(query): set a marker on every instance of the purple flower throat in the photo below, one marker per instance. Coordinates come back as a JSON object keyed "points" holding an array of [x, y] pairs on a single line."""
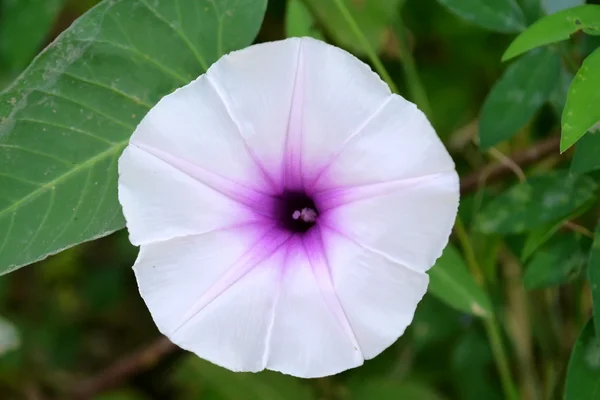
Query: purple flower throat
{"points": [[296, 211]]}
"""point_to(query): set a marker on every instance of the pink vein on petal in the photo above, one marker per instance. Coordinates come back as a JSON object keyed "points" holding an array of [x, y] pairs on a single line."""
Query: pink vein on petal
{"points": [[356, 133], [331, 198], [319, 264], [264, 248], [292, 162], [259, 202], [221, 94]]}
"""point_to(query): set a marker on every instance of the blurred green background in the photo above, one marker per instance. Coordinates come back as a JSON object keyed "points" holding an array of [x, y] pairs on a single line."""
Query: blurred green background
{"points": [[70, 316]]}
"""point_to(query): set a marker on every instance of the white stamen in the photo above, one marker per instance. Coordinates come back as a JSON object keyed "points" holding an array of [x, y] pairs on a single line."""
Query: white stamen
{"points": [[306, 215]]}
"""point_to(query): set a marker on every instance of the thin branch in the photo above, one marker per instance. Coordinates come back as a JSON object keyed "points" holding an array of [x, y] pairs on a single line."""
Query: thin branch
{"points": [[522, 159], [124, 368]]}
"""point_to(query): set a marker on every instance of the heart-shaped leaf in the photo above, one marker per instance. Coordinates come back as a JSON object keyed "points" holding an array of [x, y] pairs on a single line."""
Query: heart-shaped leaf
{"points": [[66, 119]]}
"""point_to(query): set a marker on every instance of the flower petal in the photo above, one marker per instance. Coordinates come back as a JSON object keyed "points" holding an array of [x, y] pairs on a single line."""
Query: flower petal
{"points": [[212, 296], [398, 142], [379, 296], [408, 221], [339, 94], [256, 85], [161, 202], [193, 124], [307, 340]]}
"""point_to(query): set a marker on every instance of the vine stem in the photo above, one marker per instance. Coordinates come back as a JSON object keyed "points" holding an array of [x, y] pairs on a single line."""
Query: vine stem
{"points": [[490, 323], [413, 81], [365, 44]]}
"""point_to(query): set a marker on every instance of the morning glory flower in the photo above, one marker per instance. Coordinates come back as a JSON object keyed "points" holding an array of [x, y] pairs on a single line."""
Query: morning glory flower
{"points": [[287, 206]]}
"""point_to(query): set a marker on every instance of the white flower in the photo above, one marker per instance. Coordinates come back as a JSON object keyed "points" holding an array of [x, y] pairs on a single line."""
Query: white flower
{"points": [[287, 206]]}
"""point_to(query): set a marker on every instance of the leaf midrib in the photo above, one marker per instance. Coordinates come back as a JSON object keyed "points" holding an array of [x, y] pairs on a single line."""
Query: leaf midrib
{"points": [[118, 146]]}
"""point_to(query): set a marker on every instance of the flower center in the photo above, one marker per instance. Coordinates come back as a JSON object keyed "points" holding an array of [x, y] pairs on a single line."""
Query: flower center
{"points": [[297, 211]]}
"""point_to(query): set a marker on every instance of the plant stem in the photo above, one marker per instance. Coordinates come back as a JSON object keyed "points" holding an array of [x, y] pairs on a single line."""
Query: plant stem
{"points": [[415, 86], [490, 323], [365, 45]]}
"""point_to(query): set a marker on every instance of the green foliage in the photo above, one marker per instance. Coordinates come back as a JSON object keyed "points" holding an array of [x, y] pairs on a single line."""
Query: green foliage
{"points": [[583, 374], [200, 377], [553, 6], [540, 235], [382, 389], [525, 86], [560, 262], [594, 277], [498, 15], [299, 21], [30, 21], [540, 200], [586, 154], [555, 28], [64, 121], [451, 282], [9, 336], [371, 16], [581, 113], [90, 88]]}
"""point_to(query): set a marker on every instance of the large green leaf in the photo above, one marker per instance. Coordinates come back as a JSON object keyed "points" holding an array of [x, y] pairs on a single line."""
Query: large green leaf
{"points": [[583, 372], [28, 20], [496, 15], [582, 112], [557, 263], [451, 282], [196, 375], [555, 28], [594, 277], [525, 86], [65, 121], [539, 200]]}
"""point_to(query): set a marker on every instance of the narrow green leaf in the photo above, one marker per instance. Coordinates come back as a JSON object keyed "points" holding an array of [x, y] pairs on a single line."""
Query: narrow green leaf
{"points": [[497, 15], [540, 200], [265, 385], [560, 262], [373, 18], [451, 282], [594, 277], [299, 21], [525, 86], [65, 121], [555, 28], [30, 21], [583, 372], [582, 113], [554, 6], [586, 157]]}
